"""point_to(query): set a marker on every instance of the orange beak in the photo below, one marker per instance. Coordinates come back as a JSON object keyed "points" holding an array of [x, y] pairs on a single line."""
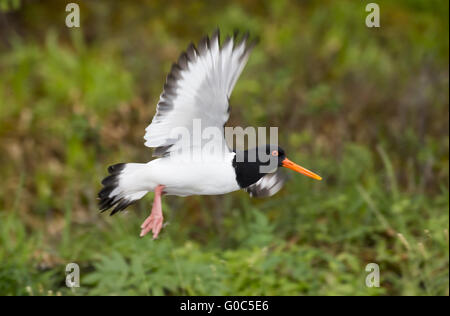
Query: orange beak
{"points": [[293, 166]]}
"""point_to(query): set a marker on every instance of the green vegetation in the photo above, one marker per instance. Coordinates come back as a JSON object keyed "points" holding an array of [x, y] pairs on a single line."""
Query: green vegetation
{"points": [[365, 108]]}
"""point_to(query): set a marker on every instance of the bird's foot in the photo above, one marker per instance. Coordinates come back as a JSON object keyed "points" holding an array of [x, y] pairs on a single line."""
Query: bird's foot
{"points": [[152, 223], [155, 221]]}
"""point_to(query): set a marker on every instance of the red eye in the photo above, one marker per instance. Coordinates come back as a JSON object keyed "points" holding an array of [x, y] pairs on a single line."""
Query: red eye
{"points": [[274, 153]]}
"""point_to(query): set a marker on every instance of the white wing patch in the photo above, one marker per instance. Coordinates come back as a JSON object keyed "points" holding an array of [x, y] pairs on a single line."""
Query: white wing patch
{"points": [[197, 87], [268, 185]]}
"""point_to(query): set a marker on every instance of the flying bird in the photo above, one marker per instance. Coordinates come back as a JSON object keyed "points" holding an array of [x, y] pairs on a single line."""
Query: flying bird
{"points": [[198, 87]]}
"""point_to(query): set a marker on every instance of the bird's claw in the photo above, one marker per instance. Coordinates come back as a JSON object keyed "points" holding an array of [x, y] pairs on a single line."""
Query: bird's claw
{"points": [[153, 223]]}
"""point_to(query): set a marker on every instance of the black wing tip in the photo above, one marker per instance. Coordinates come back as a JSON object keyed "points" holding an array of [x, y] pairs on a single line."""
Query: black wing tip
{"points": [[228, 39], [205, 44], [192, 52], [216, 35], [183, 60], [240, 37]]}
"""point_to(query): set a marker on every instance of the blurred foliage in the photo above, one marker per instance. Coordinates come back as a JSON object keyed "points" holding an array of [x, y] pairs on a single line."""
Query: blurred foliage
{"points": [[366, 108]]}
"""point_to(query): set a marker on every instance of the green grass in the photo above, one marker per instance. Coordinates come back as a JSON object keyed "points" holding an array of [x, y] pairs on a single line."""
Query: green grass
{"points": [[292, 244], [367, 109]]}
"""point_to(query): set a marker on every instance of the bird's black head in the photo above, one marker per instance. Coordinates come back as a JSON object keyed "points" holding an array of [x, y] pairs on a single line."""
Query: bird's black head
{"points": [[277, 153], [251, 165]]}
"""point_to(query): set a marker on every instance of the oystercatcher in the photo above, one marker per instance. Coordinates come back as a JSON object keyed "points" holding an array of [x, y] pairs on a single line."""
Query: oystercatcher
{"points": [[198, 87]]}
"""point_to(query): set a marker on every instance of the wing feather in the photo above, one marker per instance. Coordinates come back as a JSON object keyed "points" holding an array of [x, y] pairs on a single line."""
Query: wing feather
{"points": [[268, 185], [197, 87]]}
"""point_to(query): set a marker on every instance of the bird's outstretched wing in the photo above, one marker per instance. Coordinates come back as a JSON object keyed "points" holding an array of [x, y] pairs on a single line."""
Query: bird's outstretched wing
{"points": [[268, 185], [198, 86]]}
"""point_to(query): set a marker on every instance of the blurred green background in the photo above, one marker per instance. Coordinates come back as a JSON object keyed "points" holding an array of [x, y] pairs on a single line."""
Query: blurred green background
{"points": [[367, 108]]}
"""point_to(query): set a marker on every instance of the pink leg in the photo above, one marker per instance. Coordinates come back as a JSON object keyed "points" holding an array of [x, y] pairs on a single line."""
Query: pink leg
{"points": [[155, 220]]}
